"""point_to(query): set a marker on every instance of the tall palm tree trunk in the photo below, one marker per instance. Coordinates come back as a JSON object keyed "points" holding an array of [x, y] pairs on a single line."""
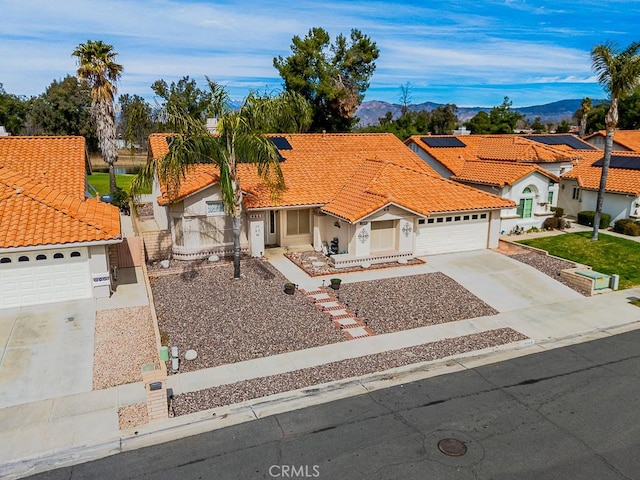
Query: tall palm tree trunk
{"points": [[237, 226], [611, 121]]}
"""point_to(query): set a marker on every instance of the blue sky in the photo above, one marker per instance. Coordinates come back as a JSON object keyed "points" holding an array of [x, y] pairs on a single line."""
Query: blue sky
{"points": [[471, 53]]}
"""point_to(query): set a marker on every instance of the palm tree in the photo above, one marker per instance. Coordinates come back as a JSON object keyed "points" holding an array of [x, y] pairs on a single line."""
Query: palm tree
{"points": [[618, 72], [585, 107], [237, 141], [97, 66]]}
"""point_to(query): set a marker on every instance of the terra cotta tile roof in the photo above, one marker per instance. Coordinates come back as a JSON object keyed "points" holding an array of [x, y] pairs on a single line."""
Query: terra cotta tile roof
{"points": [[627, 138], [498, 173], [58, 161], [378, 184], [42, 185], [619, 180], [351, 175], [501, 148]]}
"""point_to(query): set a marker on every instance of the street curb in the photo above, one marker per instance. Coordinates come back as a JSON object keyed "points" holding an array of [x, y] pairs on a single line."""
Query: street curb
{"points": [[222, 417]]}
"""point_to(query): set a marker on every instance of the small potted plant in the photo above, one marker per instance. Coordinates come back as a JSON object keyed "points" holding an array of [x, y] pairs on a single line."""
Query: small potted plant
{"points": [[289, 288], [335, 283]]}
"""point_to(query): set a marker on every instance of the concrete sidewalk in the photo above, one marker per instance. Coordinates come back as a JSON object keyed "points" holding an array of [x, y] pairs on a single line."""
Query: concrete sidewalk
{"points": [[44, 435]]}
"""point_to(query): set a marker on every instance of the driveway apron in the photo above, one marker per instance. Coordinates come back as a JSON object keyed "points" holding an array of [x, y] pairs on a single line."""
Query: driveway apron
{"points": [[500, 281], [46, 351]]}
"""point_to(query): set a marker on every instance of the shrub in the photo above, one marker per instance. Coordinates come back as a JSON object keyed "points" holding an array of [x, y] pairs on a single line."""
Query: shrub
{"points": [[586, 218], [627, 226], [552, 223], [120, 197], [559, 211]]}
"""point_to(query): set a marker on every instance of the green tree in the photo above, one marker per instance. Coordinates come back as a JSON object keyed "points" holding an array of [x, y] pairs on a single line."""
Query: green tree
{"points": [[595, 118], [480, 124], [630, 111], [563, 127], [97, 66], [63, 109], [443, 119], [618, 71], [500, 119], [13, 111], [184, 96], [288, 112], [237, 141], [503, 118], [135, 123], [537, 126], [332, 77]]}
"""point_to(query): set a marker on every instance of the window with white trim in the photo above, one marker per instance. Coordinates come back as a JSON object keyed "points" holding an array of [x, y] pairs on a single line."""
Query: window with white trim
{"points": [[298, 222], [576, 193], [215, 208]]}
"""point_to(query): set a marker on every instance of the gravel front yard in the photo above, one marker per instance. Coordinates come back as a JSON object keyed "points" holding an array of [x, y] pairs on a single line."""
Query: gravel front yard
{"points": [[124, 341], [228, 321], [260, 387], [402, 303]]}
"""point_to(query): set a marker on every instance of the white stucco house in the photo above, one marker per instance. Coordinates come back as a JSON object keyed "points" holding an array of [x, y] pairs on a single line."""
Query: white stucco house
{"points": [[53, 240], [519, 168], [579, 187], [367, 196]]}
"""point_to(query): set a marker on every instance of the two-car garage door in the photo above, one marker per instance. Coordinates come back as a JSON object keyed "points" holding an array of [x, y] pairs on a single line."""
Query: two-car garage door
{"points": [[44, 276], [452, 233]]}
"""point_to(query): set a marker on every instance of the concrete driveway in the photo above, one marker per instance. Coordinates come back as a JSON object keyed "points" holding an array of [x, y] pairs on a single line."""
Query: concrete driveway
{"points": [[500, 281], [46, 351]]}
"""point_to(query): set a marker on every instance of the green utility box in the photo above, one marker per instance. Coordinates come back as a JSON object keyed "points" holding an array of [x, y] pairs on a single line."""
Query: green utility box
{"points": [[600, 279], [164, 354]]}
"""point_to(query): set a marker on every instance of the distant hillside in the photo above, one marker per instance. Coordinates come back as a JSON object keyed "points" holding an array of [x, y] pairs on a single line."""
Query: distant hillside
{"points": [[369, 112]]}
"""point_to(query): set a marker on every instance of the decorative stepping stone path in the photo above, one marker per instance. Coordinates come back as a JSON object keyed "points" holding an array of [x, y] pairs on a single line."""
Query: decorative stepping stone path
{"points": [[340, 315], [347, 322]]}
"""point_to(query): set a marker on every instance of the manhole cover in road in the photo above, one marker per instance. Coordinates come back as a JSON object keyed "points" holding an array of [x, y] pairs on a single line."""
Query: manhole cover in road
{"points": [[452, 447]]}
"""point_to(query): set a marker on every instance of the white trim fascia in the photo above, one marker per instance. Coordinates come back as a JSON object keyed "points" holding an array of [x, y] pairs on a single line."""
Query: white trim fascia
{"points": [[53, 246]]}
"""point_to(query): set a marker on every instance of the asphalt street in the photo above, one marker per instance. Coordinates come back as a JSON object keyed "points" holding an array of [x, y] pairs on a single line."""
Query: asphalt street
{"points": [[568, 413]]}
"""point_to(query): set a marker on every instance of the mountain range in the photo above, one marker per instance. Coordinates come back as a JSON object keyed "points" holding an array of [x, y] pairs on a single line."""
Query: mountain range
{"points": [[371, 111]]}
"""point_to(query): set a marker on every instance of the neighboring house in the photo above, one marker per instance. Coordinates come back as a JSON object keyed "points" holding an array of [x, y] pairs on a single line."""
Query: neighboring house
{"points": [[623, 140], [579, 186], [524, 169], [53, 240], [367, 193]]}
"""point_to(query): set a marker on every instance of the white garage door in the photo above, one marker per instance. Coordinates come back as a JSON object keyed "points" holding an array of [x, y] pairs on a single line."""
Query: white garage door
{"points": [[40, 277], [453, 233]]}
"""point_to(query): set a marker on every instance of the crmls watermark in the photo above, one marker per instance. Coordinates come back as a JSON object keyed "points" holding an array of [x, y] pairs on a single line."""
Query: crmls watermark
{"points": [[294, 471]]}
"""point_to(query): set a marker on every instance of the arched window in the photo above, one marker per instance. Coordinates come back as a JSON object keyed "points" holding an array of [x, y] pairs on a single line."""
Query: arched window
{"points": [[41, 257], [5, 260], [75, 254], [58, 255], [23, 258]]}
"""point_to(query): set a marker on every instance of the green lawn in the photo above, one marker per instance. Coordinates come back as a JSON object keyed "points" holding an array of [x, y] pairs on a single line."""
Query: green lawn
{"points": [[608, 255], [100, 181]]}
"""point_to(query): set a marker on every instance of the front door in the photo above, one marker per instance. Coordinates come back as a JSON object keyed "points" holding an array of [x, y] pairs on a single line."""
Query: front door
{"points": [[271, 230]]}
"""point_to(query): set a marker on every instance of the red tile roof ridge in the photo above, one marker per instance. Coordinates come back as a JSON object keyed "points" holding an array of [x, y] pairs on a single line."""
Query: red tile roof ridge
{"points": [[61, 202]]}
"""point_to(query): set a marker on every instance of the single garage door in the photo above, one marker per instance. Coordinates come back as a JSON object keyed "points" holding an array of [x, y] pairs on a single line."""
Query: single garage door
{"points": [[47, 276], [452, 233]]}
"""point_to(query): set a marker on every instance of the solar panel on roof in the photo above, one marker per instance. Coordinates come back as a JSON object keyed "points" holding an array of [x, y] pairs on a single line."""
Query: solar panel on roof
{"points": [[443, 142], [568, 140], [620, 161], [281, 143]]}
